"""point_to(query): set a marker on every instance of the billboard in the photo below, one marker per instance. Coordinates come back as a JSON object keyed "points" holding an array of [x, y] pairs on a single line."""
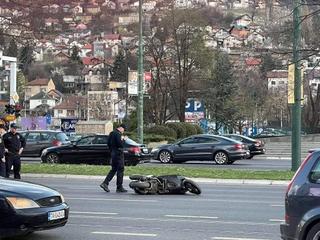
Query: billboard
{"points": [[133, 82], [34, 123], [68, 124], [194, 110]]}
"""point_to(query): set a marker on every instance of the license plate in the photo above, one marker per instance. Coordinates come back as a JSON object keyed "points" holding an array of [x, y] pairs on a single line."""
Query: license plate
{"points": [[56, 215], [145, 150]]}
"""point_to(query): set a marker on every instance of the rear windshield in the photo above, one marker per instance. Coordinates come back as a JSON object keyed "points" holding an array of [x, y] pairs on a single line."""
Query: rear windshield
{"points": [[62, 137], [131, 142]]}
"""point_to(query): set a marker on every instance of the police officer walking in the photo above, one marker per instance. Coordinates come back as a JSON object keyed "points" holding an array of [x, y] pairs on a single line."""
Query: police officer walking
{"points": [[115, 144], [2, 152], [14, 144]]}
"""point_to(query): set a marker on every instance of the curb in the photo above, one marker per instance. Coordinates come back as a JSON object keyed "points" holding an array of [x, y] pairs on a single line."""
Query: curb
{"points": [[198, 180]]}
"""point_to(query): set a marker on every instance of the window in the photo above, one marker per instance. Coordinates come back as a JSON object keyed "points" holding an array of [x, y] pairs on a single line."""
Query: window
{"points": [[189, 141], [273, 82], [86, 140], [315, 173], [44, 101], [60, 111], [33, 137], [43, 89], [100, 140]]}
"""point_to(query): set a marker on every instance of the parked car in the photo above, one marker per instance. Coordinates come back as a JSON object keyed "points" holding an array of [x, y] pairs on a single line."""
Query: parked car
{"points": [[255, 146], [205, 147], [302, 201], [94, 150], [37, 140], [27, 207]]}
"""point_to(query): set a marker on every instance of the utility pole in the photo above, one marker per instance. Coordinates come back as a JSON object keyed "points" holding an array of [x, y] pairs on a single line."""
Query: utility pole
{"points": [[296, 110], [140, 77]]}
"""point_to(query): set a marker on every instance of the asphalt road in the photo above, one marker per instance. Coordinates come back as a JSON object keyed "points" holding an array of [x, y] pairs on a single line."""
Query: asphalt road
{"points": [[222, 212], [254, 164]]}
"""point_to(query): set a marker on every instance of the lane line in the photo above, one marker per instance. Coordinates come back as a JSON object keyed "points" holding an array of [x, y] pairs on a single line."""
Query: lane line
{"points": [[277, 205], [231, 238], [111, 199], [94, 213], [186, 216], [276, 220], [127, 234]]}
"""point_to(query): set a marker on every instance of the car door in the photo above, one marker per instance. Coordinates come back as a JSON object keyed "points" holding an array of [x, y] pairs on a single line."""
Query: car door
{"points": [[82, 150], [185, 149], [32, 144], [204, 148], [99, 152]]}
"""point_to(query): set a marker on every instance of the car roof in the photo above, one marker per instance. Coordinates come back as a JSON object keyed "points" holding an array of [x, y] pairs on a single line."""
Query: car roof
{"points": [[239, 135], [54, 131], [216, 136]]}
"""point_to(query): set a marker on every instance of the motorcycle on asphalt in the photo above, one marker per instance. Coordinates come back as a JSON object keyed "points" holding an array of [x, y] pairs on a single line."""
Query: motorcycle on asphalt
{"points": [[168, 184]]}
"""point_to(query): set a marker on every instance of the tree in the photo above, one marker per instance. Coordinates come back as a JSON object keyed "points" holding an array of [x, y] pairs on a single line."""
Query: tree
{"points": [[221, 90], [12, 50], [21, 82], [75, 55], [25, 59], [119, 72]]}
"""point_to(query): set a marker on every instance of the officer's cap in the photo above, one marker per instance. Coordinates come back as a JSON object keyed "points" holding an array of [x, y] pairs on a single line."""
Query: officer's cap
{"points": [[13, 125]]}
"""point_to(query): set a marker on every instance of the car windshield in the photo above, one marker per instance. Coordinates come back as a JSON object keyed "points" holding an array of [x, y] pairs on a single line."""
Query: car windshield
{"points": [[62, 137]]}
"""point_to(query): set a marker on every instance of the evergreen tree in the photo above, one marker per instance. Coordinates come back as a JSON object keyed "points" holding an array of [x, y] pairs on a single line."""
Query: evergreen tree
{"points": [[21, 82], [75, 55], [12, 50], [119, 70], [25, 59]]}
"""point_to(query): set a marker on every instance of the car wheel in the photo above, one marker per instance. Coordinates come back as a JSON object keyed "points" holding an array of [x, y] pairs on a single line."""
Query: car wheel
{"points": [[314, 233], [165, 156], [221, 158], [250, 157], [52, 158]]}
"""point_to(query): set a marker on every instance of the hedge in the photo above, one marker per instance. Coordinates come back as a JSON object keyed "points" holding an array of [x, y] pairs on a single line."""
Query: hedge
{"points": [[178, 128], [190, 129], [162, 130]]}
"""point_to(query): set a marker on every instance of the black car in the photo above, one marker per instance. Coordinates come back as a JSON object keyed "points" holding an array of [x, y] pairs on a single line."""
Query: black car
{"points": [[27, 207], [302, 202], [37, 140], [255, 146], [94, 150], [205, 147]]}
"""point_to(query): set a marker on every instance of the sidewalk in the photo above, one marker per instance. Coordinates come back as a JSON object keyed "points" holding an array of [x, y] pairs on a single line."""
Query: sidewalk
{"points": [[198, 180]]}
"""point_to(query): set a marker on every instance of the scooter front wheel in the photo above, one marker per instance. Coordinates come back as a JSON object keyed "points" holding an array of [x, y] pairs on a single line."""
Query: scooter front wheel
{"points": [[191, 186]]}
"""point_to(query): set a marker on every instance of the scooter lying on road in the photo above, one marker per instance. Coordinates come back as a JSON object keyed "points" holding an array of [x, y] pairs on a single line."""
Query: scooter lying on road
{"points": [[169, 184]]}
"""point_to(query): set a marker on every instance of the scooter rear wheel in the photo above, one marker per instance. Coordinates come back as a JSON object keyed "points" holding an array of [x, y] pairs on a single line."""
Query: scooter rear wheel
{"points": [[191, 186]]}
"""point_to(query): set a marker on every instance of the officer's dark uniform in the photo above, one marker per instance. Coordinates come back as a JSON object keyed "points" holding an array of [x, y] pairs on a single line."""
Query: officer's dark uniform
{"points": [[117, 159], [2, 154], [13, 142]]}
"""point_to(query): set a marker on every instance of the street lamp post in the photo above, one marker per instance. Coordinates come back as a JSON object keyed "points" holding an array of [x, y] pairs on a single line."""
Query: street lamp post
{"points": [[140, 77], [296, 111]]}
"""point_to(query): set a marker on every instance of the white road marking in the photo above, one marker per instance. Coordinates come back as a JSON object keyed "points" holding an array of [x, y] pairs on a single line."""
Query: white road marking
{"points": [[277, 205], [276, 220], [127, 234], [111, 199], [94, 213], [231, 238], [185, 216]]}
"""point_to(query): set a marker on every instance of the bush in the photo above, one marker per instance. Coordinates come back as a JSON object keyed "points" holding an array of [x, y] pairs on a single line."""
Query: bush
{"points": [[162, 130], [198, 129], [190, 129], [178, 128]]}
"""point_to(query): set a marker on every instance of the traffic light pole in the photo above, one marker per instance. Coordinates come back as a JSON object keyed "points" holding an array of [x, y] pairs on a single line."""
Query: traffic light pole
{"points": [[296, 110], [140, 77]]}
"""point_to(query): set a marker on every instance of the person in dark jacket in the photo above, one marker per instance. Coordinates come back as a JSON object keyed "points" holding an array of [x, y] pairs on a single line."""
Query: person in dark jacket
{"points": [[115, 144], [2, 152], [14, 144]]}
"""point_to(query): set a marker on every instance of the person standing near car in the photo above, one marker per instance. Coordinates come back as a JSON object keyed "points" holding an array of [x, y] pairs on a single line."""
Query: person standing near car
{"points": [[116, 143], [14, 144], [2, 152]]}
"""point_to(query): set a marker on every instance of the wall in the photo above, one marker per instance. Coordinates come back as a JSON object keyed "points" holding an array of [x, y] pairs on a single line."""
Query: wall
{"points": [[99, 127]]}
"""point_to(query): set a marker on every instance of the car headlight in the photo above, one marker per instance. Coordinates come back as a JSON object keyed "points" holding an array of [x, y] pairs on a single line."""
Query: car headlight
{"points": [[154, 150], [44, 152], [62, 198], [22, 203]]}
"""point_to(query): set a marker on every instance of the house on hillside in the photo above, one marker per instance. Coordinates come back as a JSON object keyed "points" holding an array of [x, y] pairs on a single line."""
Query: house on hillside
{"points": [[38, 85], [70, 83], [278, 81], [242, 21], [41, 98], [71, 106]]}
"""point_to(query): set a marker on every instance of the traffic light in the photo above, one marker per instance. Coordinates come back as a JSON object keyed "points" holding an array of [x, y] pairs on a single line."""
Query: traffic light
{"points": [[17, 109]]}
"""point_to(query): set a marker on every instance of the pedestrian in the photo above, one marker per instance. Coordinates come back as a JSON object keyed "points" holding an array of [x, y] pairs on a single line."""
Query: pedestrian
{"points": [[2, 152], [115, 143], [14, 143]]}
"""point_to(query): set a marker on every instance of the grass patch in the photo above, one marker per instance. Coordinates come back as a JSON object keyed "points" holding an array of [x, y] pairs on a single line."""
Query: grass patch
{"points": [[76, 169]]}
